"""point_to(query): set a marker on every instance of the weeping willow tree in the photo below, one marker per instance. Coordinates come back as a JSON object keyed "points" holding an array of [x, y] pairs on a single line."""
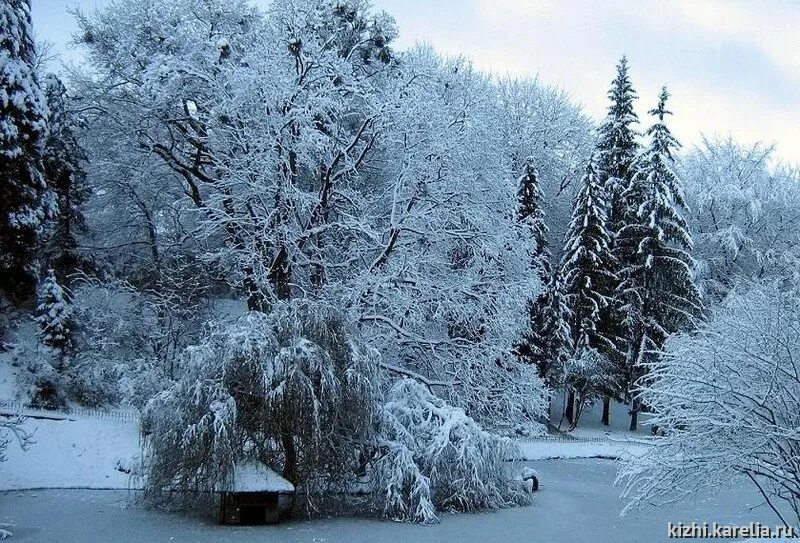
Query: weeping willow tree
{"points": [[291, 389], [297, 391]]}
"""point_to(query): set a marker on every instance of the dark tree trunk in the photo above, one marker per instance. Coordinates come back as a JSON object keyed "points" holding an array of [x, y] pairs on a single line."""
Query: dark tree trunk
{"points": [[634, 414], [569, 412], [290, 467], [279, 275], [606, 410], [255, 300]]}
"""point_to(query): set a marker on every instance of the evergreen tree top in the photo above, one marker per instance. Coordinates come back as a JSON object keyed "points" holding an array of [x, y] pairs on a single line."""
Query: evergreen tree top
{"points": [[617, 137], [529, 195], [622, 94], [662, 141], [655, 166]]}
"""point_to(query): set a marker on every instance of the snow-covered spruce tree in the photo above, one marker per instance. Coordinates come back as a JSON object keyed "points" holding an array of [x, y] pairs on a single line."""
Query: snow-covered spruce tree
{"points": [[726, 398], [64, 170], [25, 202], [617, 148], [293, 389], [656, 276], [587, 272], [55, 318], [429, 457]]}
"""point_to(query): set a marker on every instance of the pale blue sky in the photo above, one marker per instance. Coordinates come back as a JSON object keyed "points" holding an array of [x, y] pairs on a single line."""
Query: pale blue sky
{"points": [[733, 67]]}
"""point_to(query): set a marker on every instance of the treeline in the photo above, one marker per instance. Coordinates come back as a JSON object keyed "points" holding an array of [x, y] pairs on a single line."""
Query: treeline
{"points": [[479, 233]]}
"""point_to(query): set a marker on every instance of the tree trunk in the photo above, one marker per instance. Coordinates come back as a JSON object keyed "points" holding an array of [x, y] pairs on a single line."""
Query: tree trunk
{"points": [[290, 467], [634, 414], [279, 275], [569, 412], [255, 300], [606, 410]]}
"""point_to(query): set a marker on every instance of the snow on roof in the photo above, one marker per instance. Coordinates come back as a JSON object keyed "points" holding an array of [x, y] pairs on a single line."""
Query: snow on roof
{"points": [[256, 477]]}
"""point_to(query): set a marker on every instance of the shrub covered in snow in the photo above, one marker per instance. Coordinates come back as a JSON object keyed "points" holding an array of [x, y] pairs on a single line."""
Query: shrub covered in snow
{"points": [[293, 389], [431, 457]]}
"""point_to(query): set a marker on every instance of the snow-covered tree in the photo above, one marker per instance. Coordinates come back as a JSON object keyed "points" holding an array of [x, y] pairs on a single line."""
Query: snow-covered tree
{"points": [[64, 170], [429, 457], [587, 269], [54, 315], [446, 293], [725, 399], [25, 201], [546, 340], [657, 278], [617, 148], [743, 215], [319, 167], [294, 390]]}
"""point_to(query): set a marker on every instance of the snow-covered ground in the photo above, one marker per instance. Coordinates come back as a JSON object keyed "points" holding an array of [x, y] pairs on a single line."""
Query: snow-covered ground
{"points": [[577, 502], [84, 452]]}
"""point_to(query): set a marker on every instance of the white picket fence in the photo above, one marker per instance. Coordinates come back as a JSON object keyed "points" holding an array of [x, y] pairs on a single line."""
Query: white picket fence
{"points": [[11, 408]]}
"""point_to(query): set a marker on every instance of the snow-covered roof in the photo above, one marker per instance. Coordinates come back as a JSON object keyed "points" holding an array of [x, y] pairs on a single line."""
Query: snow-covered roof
{"points": [[256, 477]]}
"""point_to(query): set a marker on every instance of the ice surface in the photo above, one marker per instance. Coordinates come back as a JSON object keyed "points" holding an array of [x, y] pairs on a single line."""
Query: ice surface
{"points": [[576, 502]]}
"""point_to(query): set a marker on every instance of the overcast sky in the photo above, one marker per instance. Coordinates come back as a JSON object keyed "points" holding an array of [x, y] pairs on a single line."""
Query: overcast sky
{"points": [[733, 67]]}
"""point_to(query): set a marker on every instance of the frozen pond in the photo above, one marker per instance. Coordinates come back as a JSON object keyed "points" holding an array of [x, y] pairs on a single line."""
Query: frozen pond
{"points": [[577, 502]]}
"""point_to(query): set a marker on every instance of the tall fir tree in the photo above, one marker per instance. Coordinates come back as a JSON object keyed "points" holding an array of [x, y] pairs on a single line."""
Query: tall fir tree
{"points": [[657, 279], [25, 201], [587, 271], [64, 160], [617, 149]]}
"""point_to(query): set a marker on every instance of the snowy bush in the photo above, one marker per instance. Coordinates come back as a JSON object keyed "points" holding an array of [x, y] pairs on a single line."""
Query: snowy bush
{"points": [[728, 401], [293, 389], [42, 385], [142, 380], [92, 382], [431, 457]]}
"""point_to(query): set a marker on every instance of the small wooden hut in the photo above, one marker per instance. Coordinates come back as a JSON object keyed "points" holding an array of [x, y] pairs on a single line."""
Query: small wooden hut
{"points": [[258, 495]]}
